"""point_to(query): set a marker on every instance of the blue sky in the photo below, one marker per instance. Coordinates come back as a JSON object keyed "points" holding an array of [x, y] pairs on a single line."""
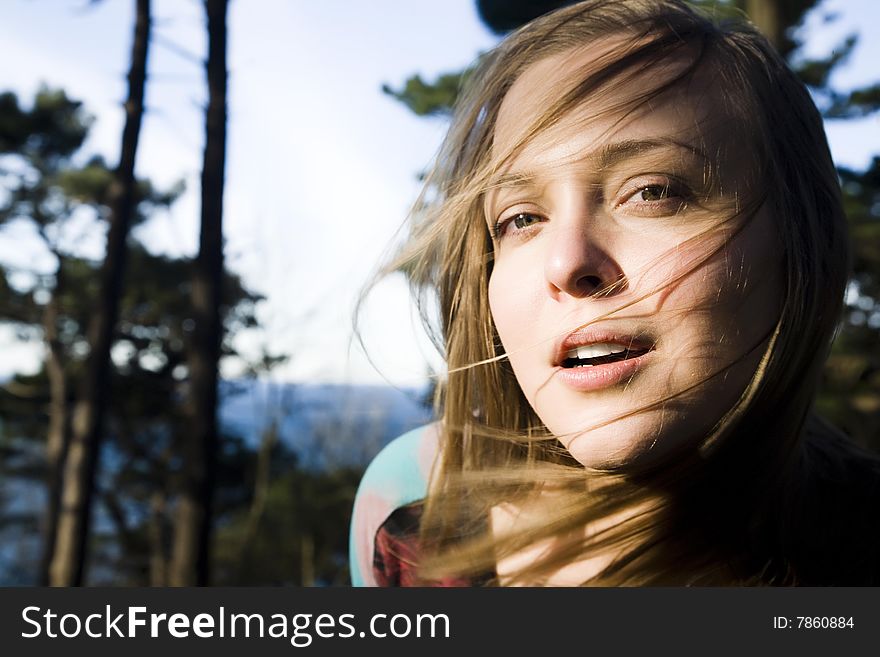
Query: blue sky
{"points": [[321, 165]]}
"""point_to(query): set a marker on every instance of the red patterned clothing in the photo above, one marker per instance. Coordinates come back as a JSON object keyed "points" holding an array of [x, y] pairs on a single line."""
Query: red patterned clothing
{"points": [[396, 556], [384, 540]]}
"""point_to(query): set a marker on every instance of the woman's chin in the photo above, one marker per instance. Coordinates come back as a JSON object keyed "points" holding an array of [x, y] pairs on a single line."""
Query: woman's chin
{"points": [[616, 444]]}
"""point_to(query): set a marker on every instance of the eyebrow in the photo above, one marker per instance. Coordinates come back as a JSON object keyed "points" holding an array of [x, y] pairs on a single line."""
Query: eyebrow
{"points": [[604, 157], [613, 153]]}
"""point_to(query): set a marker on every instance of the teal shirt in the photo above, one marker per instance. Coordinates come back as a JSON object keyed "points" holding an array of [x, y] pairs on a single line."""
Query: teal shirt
{"points": [[396, 477]]}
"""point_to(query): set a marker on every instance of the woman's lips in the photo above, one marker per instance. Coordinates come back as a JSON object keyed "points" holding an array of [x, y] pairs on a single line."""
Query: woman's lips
{"points": [[596, 377], [631, 341]]}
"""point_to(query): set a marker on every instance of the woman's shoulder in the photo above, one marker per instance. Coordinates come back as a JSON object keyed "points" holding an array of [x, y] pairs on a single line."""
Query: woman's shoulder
{"points": [[397, 477], [400, 471]]}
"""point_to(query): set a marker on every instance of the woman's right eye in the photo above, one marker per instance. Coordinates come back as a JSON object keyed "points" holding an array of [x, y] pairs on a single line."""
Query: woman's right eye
{"points": [[521, 221]]}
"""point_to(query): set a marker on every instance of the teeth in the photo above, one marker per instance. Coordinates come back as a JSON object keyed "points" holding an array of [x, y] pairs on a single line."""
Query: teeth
{"points": [[595, 350]]}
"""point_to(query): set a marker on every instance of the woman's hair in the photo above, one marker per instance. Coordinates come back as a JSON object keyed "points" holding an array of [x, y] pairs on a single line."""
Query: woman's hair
{"points": [[722, 501]]}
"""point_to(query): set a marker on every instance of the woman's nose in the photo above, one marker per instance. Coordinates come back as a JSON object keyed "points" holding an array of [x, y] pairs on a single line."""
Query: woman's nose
{"points": [[577, 265]]}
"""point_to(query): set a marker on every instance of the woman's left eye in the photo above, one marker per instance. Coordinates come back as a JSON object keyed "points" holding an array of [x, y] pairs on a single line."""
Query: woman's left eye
{"points": [[654, 195]]}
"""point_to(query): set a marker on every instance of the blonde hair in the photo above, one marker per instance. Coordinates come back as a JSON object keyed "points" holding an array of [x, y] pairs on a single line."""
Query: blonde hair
{"points": [[701, 518]]}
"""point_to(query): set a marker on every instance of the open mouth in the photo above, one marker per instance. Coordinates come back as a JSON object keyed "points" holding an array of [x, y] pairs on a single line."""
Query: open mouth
{"points": [[600, 354]]}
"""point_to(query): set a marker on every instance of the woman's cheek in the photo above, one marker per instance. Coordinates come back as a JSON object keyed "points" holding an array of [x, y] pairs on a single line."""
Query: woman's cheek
{"points": [[500, 304], [514, 305]]}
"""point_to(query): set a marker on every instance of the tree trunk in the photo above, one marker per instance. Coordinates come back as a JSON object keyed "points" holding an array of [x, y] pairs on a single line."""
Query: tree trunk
{"points": [[765, 15], [193, 523], [58, 437], [159, 541], [262, 479], [307, 559], [69, 561]]}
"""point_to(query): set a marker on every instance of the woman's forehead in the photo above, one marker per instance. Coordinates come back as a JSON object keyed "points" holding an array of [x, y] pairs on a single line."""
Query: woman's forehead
{"points": [[688, 113]]}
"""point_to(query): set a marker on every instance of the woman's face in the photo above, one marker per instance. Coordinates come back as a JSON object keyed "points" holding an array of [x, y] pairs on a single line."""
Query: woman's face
{"points": [[633, 307]]}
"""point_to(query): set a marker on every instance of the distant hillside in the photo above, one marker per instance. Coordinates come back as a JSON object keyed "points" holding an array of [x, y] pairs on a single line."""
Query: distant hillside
{"points": [[325, 424]]}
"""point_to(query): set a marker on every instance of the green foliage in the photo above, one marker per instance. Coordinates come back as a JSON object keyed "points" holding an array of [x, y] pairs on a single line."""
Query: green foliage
{"points": [[832, 102], [850, 394], [302, 534], [43, 186], [430, 99], [503, 16], [54, 128], [855, 104], [815, 72]]}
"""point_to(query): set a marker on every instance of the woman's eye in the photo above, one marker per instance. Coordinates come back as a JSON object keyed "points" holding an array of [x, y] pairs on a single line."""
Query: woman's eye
{"points": [[653, 193], [518, 222], [656, 197], [524, 220]]}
